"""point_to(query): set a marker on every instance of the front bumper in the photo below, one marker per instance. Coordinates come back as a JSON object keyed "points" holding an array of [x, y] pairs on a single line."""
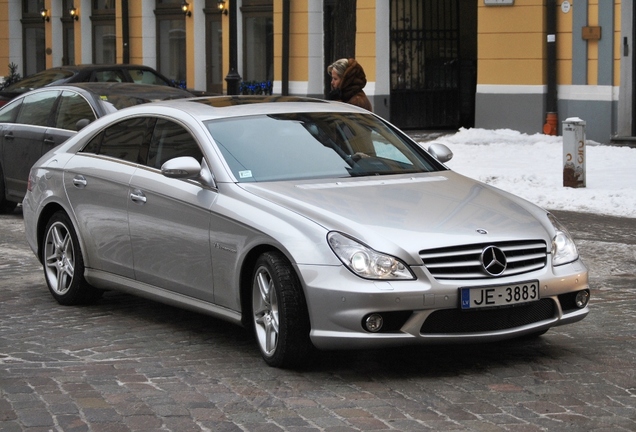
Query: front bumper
{"points": [[427, 311]]}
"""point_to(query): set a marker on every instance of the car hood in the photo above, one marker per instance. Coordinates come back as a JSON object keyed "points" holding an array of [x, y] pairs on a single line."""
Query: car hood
{"points": [[406, 214]]}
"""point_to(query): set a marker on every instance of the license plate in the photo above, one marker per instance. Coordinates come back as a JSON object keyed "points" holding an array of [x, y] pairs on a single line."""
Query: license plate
{"points": [[501, 295]]}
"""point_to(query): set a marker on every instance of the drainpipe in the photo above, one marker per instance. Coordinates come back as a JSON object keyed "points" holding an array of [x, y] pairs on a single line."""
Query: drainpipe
{"points": [[551, 103], [125, 31], [285, 65]]}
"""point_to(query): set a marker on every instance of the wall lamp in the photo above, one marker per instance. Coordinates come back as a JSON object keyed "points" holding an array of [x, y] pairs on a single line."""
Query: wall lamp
{"points": [[45, 14], [185, 7], [220, 4], [73, 12]]}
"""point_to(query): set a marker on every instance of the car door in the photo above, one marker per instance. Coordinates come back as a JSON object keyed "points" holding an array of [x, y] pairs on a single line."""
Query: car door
{"points": [[170, 219], [23, 140], [97, 183]]}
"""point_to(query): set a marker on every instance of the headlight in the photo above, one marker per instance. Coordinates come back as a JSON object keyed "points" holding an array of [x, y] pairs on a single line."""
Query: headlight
{"points": [[364, 261], [563, 247]]}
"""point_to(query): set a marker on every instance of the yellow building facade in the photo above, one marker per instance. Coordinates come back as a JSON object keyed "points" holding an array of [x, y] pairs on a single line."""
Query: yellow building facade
{"points": [[430, 64]]}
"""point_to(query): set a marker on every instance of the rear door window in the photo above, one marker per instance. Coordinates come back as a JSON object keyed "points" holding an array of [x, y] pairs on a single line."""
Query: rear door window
{"points": [[71, 109], [141, 76], [123, 140], [109, 76]]}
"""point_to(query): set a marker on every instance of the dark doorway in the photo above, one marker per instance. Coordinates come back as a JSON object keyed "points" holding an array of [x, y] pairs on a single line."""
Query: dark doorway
{"points": [[433, 63], [633, 69], [214, 51], [339, 26]]}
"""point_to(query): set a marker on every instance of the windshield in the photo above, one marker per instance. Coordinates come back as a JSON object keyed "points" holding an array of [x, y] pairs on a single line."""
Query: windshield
{"points": [[315, 145]]}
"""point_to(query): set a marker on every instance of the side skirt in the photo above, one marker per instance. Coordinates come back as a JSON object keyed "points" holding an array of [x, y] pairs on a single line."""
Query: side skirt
{"points": [[109, 281]]}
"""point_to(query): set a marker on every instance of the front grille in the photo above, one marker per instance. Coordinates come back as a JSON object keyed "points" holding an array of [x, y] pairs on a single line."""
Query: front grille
{"points": [[464, 262], [484, 320]]}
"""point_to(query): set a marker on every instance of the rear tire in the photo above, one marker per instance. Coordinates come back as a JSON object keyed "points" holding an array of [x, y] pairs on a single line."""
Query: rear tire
{"points": [[64, 265], [279, 311]]}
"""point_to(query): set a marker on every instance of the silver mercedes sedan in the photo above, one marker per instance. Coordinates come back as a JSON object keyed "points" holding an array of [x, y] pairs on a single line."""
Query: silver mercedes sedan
{"points": [[317, 224]]}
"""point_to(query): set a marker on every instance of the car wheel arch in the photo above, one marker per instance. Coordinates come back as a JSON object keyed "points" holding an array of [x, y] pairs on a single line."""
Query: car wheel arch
{"points": [[279, 311], [245, 279], [45, 215]]}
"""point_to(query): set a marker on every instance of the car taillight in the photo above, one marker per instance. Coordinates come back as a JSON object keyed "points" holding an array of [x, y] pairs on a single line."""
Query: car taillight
{"points": [[3, 102]]}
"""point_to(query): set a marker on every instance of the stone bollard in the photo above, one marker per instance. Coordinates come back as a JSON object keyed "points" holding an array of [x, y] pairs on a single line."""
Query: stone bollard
{"points": [[574, 152]]}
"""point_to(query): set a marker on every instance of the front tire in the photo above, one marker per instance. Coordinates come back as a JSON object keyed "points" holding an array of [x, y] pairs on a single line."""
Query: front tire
{"points": [[64, 265], [279, 310]]}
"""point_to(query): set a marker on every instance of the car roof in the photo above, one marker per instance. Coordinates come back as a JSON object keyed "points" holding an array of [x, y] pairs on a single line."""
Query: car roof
{"points": [[153, 92], [57, 73], [124, 94], [119, 95], [207, 108]]}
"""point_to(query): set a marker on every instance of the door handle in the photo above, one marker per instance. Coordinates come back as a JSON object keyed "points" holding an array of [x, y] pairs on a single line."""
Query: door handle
{"points": [[9, 135], [79, 181], [49, 141], [138, 197]]}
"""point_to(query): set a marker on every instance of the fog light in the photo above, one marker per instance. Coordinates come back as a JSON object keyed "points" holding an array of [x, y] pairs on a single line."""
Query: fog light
{"points": [[373, 323], [582, 298]]}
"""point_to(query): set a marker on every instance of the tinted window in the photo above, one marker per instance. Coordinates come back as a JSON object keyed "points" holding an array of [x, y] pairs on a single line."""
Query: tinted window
{"points": [[94, 144], [170, 140], [108, 76], [37, 108], [9, 112], [124, 140], [72, 108], [146, 77]]}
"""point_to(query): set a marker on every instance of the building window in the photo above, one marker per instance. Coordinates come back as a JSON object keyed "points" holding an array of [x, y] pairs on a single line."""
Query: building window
{"points": [[104, 5], [171, 46], [33, 39], [104, 39], [258, 40]]}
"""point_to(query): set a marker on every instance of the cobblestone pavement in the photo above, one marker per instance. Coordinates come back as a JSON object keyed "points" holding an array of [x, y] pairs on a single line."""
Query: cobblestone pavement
{"points": [[128, 364]]}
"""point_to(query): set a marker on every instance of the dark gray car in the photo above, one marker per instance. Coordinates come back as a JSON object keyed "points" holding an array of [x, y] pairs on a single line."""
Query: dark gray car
{"points": [[37, 121]]}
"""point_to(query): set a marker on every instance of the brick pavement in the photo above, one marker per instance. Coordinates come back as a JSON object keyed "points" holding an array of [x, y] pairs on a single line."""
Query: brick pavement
{"points": [[128, 364]]}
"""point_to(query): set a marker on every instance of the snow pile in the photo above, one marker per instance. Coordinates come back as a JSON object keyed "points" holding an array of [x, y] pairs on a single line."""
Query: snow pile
{"points": [[531, 166]]}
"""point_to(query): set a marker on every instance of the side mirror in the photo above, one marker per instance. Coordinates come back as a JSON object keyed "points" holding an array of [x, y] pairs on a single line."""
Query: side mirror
{"points": [[187, 167], [440, 152], [81, 124]]}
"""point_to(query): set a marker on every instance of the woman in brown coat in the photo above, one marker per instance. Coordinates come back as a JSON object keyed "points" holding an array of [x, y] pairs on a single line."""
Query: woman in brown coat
{"points": [[347, 81]]}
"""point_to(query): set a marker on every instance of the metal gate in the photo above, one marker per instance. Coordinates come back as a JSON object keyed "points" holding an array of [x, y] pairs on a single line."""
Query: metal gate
{"points": [[425, 64]]}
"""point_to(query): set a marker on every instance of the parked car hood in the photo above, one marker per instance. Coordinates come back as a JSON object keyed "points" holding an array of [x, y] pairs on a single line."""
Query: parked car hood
{"points": [[410, 213]]}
